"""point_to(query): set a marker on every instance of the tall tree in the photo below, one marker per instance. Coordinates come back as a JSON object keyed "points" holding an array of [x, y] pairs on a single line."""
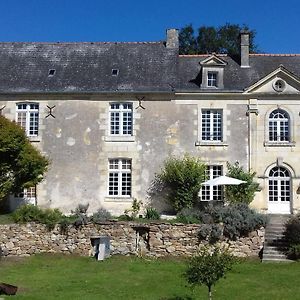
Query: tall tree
{"points": [[21, 164], [222, 39]]}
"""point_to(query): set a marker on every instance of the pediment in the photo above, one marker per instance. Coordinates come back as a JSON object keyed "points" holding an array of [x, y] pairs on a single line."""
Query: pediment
{"points": [[280, 81], [213, 61]]}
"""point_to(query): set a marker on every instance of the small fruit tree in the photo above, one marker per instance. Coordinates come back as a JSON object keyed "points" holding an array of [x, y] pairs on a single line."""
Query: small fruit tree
{"points": [[208, 266]]}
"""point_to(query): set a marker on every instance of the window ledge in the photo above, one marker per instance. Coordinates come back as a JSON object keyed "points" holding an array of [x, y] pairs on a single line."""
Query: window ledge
{"points": [[117, 199], [279, 144], [34, 139], [211, 143], [119, 138]]}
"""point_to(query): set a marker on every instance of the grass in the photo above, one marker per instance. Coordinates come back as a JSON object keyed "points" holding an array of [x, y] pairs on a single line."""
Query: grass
{"points": [[6, 219], [72, 277]]}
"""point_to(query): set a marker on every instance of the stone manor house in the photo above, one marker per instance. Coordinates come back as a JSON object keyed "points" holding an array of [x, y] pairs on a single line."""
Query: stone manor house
{"points": [[108, 114]]}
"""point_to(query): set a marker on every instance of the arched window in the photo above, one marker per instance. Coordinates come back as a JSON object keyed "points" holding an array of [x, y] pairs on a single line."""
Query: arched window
{"points": [[279, 126]]}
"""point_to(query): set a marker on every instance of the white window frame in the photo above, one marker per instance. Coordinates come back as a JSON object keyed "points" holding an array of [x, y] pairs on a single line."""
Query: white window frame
{"points": [[279, 126], [121, 119], [27, 116], [28, 194], [212, 125], [209, 192], [119, 177], [212, 79], [279, 185]]}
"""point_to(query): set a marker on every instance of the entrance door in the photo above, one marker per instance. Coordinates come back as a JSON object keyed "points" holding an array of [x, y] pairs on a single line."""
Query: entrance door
{"points": [[279, 191]]}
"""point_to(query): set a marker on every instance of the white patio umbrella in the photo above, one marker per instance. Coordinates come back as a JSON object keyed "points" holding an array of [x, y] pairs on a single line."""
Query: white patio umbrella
{"points": [[223, 180]]}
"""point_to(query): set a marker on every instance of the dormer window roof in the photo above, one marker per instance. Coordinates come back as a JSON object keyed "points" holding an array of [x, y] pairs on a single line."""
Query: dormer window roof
{"points": [[212, 72]]}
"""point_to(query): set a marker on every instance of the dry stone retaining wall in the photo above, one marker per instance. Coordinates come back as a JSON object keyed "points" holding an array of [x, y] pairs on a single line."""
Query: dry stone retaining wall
{"points": [[155, 239]]}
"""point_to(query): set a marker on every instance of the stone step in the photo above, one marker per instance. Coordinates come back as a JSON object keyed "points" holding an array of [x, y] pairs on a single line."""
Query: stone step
{"points": [[275, 251], [279, 260]]}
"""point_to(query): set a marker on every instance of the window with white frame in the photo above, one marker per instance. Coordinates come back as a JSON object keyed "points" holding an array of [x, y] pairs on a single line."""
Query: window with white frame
{"points": [[120, 118], [209, 193], [279, 126], [212, 79], [212, 125], [119, 177], [28, 194], [27, 116]]}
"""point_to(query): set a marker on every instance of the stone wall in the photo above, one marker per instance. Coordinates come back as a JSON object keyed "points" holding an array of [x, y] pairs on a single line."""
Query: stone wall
{"points": [[155, 239]]}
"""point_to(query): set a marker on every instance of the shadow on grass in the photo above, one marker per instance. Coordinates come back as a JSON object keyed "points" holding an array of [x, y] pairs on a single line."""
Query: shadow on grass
{"points": [[178, 298]]}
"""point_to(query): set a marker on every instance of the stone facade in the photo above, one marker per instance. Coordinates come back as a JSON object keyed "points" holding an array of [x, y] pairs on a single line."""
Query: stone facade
{"points": [[217, 107], [155, 239]]}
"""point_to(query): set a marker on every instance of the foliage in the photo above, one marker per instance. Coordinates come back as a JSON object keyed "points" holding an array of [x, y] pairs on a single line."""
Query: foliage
{"points": [[237, 219], [188, 216], [208, 266], [292, 236], [101, 215], [21, 164], [182, 178], [80, 215], [32, 213], [223, 39], [242, 193], [292, 230], [210, 232], [132, 213], [151, 214]]}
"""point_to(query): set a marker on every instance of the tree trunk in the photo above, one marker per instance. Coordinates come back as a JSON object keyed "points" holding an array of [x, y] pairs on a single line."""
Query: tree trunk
{"points": [[209, 293]]}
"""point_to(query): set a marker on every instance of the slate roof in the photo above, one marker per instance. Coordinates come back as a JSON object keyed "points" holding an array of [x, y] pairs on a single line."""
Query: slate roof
{"points": [[235, 77], [86, 67], [143, 67]]}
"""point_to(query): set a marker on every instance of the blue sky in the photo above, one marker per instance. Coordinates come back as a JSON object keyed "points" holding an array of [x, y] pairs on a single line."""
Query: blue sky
{"points": [[277, 22]]}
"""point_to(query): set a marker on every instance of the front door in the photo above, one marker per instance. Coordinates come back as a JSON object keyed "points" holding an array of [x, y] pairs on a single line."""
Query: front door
{"points": [[279, 191]]}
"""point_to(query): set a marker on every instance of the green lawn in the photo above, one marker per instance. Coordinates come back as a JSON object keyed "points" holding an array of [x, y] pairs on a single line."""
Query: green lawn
{"points": [[6, 218], [70, 277]]}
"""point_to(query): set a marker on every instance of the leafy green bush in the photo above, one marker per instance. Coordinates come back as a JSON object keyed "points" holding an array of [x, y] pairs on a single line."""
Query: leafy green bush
{"points": [[208, 266], [237, 219], [188, 216], [243, 193], [32, 213], [101, 215], [292, 230], [292, 236], [151, 214], [182, 178]]}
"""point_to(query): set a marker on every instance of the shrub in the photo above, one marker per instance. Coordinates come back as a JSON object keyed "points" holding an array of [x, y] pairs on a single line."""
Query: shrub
{"points": [[188, 216], [101, 215], [133, 211], [80, 215], [27, 213], [210, 232], [182, 178], [292, 230], [238, 219], [208, 266], [243, 193], [31, 213], [292, 236], [151, 214]]}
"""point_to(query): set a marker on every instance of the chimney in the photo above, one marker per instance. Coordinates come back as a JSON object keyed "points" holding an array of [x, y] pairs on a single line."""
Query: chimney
{"points": [[172, 38], [244, 49]]}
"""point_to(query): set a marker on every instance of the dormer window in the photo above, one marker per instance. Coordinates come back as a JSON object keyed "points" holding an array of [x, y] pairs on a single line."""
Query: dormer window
{"points": [[212, 72], [212, 79]]}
